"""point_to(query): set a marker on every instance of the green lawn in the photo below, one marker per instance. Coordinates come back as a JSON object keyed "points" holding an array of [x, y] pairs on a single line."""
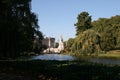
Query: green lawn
{"points": [[57, 70], [111, 54]]}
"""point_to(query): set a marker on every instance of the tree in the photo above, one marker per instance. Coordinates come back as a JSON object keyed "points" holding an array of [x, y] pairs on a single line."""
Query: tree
{"points": [[56, 44], [109, 39], [18, 27], [69, 44], [83, 23], [87, 43], [109, 29]]}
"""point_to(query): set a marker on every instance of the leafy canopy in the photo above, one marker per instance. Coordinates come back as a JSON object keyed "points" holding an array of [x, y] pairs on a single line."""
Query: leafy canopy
{"points": [[83, 22]]}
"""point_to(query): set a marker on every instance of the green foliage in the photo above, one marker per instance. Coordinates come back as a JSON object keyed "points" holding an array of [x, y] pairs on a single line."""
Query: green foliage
{"points": [[109, 28], [69, 44], [96, 37], [18, 27], [108, 41], [83, 23], [56, 44], [86, 43]]}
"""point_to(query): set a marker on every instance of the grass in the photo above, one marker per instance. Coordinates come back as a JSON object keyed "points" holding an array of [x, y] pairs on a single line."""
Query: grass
{"points": [[58, 70], [111, 54]]}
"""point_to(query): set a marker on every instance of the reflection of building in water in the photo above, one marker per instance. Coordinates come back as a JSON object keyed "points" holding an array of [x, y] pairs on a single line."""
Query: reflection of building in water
{"points": [[50, 42]]}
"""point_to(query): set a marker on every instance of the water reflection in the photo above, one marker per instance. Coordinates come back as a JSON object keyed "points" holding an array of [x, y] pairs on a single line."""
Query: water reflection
{"points": [[105, 61], [59, 57]]}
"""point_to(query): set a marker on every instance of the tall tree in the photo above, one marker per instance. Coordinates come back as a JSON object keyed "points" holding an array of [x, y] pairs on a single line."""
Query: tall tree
{"points": [[83, 22], [18, 26]]}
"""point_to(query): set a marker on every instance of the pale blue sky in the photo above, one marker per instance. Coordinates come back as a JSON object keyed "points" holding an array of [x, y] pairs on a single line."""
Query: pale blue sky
{"points": [[57, 17]]}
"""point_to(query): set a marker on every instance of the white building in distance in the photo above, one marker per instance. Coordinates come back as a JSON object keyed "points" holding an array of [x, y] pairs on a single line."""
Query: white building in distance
{"points": [[61, 44], [50, 42]]}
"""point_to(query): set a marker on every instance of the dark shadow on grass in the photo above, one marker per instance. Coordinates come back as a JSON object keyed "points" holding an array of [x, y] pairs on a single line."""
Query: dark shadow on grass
{"points": [[61, 70]]}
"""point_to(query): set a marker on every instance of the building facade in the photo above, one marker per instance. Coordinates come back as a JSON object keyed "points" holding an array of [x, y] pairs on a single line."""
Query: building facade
{"points": [[49, 42], [61, 44]]}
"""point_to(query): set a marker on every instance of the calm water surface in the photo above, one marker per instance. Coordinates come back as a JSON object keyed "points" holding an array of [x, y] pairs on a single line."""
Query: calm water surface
{"points": [[105, 61], [59, 57]]}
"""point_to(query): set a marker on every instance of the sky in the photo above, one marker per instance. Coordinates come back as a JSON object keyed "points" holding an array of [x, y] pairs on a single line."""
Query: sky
{"points": [[57, 17]]}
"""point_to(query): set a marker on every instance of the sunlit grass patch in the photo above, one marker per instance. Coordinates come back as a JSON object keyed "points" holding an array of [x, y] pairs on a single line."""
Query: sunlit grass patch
{"points": [[111, 54]]}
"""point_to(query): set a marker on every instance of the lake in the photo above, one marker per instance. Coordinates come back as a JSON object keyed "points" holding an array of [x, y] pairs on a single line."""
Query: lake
{"points": [[58, 57], [61, 57], [105, 61]]}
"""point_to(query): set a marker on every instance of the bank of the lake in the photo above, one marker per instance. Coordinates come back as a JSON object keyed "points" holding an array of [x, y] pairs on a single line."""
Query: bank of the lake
{"points": [[60, 67], [113, 54], [111, 57]]}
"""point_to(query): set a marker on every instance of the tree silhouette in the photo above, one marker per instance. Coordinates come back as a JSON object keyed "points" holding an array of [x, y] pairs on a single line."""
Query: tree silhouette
{"points": [[18, 26]]}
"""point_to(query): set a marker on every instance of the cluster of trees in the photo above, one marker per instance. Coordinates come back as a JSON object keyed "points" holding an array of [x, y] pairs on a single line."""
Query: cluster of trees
{"points": [[109, 29], [95, 37], [18, 27]]}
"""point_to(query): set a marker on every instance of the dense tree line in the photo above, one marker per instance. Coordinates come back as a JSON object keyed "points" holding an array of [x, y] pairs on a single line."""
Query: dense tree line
{"points": [[18, 27], [109, 28], [95, 37]]}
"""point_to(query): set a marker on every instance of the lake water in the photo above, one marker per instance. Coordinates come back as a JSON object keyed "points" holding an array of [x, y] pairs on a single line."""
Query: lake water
{"points": [[105, 61], [59, 57]]}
